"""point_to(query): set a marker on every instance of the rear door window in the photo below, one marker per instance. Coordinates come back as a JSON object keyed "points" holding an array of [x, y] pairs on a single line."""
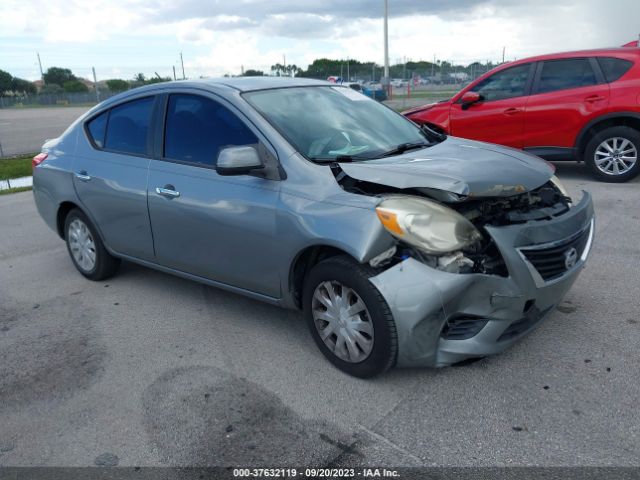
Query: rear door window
{"points": [[197, 128], [128, 127], [566, 74], [614, 68]]}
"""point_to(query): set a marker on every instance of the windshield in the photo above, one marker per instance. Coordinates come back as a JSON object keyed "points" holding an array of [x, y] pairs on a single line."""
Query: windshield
{"points": [[336, 123]]}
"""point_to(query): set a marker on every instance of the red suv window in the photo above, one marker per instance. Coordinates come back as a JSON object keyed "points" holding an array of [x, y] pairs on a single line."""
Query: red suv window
{"points": [[565, 74], [508, 83], [614, 68]]}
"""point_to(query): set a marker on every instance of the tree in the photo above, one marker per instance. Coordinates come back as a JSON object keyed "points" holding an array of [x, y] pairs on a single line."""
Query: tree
{"points": [[139, 77], [75, 86], [117, 85], [151, 80], [58, 76], [52, 89], [253, 73], [5, 82], [25, 87]]}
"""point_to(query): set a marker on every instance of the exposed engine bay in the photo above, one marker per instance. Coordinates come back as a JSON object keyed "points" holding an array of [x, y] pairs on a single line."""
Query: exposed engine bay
{"points": [[542, 203]]}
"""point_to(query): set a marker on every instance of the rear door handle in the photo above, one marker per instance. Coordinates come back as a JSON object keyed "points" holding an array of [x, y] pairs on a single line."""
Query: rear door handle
{"points": [[82, 175], [168, 191], [593, 98], [512, 111]]}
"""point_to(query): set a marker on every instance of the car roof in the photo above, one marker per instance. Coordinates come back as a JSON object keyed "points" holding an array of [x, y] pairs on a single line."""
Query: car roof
{"points": [[619, 51], [246, 84], [238, 84]]}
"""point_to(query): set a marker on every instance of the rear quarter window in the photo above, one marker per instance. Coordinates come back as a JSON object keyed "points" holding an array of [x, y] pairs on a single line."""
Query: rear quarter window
{"points": [[97, 129], [614, 68]]}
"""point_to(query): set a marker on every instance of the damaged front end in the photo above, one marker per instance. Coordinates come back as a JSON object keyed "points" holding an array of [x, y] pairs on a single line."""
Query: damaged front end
{"points": [[486, 269]]}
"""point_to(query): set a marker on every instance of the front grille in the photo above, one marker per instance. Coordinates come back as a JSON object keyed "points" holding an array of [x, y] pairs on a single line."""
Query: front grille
{"points": [[523, 325], [462, 328], [551, 262]]}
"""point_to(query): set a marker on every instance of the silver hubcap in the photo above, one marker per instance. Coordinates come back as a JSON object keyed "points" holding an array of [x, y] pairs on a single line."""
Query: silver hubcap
{"points": [[615, 156], [81, 244], [343, 321]]}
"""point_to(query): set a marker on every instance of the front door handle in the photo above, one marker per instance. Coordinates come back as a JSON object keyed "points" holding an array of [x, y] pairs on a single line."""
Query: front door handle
{"points": [[168, 191], [82, 175], [512, 111]]}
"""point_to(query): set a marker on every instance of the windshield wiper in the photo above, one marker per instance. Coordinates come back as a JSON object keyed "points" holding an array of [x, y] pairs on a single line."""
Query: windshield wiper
{"points": [[432, 135], [338, 159], [404, 147]]}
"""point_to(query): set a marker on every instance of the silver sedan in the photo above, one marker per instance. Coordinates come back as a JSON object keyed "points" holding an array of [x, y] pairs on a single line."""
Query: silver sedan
{"points": [[401, 245]]}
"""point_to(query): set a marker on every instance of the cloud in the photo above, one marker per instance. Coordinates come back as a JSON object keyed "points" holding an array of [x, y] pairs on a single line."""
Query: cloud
{"points": [[220, 36]]}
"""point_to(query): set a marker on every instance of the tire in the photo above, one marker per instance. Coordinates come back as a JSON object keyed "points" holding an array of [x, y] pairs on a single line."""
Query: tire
{"points": [[350, 280], [626, 137], [86, 249]]}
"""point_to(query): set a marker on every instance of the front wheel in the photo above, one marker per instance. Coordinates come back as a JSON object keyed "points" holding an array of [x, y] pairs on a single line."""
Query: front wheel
{"points": [[612, 154], [348, 318], [86, 248]]}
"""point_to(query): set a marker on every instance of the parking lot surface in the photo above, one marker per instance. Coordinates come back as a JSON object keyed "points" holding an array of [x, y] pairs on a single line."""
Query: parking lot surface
{"points": [[149, 369], [24, 130]]}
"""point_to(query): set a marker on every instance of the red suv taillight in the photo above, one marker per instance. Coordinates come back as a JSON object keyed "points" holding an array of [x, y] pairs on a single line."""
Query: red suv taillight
{"points": [[38, 159]]}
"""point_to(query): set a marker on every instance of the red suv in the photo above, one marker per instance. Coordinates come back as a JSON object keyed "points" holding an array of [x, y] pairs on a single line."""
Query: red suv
{"points": [[582, 106]]}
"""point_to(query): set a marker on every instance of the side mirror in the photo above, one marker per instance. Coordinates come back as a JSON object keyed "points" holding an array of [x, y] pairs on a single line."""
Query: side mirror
{"points": [[238, 161], [469, 98]]}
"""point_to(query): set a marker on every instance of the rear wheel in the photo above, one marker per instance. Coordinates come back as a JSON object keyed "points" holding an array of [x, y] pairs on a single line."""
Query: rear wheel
{"points": [[86, 248], [612, 154], [348, 318]]}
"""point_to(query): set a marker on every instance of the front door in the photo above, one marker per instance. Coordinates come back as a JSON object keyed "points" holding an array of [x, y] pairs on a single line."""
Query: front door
{"points": [[499, 116], [221, 228]]}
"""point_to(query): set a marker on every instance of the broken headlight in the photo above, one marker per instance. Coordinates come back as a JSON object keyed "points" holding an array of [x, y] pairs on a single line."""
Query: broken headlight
{"points": [[427, 225], [558, 184]]}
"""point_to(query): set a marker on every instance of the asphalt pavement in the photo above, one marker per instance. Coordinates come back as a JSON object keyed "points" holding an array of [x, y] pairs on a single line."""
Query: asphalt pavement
{"points": [[148, 369], [24, 130]]}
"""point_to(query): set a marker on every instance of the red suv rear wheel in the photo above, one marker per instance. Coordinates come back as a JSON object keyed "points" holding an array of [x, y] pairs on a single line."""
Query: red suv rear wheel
{"points": [[612, 154]]}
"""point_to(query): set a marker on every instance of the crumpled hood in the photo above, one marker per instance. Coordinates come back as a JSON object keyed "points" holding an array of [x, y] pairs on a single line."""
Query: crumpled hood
{"points": [[464, 167]]}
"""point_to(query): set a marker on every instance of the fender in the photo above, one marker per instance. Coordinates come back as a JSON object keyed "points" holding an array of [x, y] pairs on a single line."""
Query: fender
{"points": [[581, 138]]}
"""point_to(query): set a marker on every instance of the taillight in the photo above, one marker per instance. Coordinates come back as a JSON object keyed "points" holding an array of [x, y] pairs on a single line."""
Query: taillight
{"points": [[38, 159]]}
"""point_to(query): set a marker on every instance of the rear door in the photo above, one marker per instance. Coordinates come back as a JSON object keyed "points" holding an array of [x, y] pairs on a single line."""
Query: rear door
{"points": [[221, 228], [110, 175], [499, 116], [566, 95]]}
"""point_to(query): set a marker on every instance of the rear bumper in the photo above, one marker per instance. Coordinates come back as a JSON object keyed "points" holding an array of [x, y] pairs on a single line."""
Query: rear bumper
{"points": [[424, 300]]}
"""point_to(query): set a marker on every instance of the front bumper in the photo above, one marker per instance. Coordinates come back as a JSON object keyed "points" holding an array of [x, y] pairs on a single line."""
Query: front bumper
{"points": [[424, 300]]}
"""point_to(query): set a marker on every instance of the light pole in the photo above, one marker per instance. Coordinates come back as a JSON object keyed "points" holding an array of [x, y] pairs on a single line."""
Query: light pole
{"points": [[385, 81]]}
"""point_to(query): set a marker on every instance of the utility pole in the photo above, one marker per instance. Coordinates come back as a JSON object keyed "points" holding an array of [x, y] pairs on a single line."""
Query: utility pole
{"points": [[386, 82], [348, 76], [95, 84], [182, 63], [40, 64], [503, 49], [174, 73]]}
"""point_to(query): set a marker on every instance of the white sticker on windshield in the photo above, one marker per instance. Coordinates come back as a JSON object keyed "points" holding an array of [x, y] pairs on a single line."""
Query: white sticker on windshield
{"points": [[351, 94]]}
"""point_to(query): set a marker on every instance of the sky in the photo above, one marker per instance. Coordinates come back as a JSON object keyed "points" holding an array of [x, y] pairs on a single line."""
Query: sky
{"points": [[123, 37]]}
